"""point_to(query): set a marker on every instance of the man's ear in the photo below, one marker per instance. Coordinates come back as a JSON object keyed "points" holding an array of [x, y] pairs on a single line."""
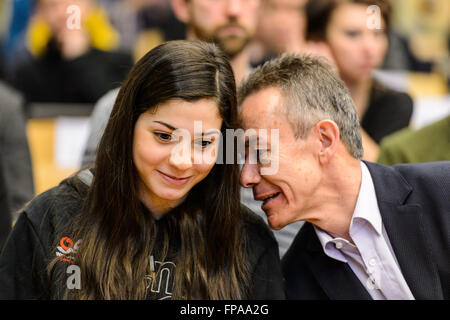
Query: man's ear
{"points": [[181, 10], [328, 132]]}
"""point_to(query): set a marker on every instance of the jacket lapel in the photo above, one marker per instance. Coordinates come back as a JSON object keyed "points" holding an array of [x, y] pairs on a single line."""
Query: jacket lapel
{"points": [[335, 278], [405, 229]]}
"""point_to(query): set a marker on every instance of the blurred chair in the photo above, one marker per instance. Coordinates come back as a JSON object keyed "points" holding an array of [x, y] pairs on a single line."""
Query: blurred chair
{"points": [[57, 134]]}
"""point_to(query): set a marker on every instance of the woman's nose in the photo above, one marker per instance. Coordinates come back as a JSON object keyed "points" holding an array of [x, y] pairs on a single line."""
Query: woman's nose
{"points": [[181, 156]]}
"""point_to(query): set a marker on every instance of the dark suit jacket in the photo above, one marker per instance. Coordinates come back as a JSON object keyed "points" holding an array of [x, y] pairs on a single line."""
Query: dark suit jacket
{"points": [[414, 201]]}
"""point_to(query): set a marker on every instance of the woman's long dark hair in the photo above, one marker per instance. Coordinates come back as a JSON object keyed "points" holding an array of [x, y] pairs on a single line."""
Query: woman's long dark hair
{"points": [[118, 236]]}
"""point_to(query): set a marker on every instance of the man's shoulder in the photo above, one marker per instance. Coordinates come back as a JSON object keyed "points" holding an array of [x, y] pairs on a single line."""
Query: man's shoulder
{"points": [[428, 174], [425, 183], [422, 170]]}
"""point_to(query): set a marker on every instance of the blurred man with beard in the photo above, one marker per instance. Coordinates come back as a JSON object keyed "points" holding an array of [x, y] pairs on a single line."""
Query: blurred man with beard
{"points": [[231, 24]]}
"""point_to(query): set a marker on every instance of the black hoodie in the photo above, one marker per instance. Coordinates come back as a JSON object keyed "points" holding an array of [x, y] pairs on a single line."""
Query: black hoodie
{"points": [[32, 244]]}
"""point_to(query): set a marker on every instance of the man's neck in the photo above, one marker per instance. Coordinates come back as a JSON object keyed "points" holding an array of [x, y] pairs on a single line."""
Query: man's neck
{"points": [[338, 202]]}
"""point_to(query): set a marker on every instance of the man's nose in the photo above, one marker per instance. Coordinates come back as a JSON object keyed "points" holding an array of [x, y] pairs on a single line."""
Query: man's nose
{"points": [[250, 175], [234, 8]]}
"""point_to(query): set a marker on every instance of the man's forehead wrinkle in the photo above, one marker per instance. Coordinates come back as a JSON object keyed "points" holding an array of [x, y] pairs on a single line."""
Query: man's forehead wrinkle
{"points": [[263, 120]]}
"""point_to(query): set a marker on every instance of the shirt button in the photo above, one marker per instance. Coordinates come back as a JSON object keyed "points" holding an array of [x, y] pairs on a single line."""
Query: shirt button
{"points": [[339, 245], [372, 262]]}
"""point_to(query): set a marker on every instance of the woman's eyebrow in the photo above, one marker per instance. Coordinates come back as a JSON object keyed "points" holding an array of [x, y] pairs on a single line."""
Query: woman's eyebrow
{"points": [[166, 125], [210, 132], [207, 133]]}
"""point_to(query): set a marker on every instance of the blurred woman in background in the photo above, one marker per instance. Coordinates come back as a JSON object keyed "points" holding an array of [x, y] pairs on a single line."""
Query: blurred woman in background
{"points": [[353, 35]]}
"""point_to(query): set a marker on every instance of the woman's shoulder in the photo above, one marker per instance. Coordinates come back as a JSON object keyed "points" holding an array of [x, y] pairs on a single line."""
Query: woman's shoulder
{"points": [[56, 206], [383, 96]]}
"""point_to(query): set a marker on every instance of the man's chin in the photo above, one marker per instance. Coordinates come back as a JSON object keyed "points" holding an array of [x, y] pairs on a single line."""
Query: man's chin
{"points": [[232, 46], [275, 223]]}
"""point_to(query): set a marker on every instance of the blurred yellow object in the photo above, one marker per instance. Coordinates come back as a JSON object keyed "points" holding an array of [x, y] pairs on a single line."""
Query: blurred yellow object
{"points": [[422, 85], [102, 34], [146, 41], [41, 138], [38, 36]]}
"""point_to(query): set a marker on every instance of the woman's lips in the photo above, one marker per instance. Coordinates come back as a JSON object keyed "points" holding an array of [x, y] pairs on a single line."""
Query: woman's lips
{"points": [[172, 180]]}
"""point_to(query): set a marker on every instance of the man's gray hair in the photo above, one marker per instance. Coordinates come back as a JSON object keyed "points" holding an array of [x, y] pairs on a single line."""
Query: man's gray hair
{"points": [[312, 91]]}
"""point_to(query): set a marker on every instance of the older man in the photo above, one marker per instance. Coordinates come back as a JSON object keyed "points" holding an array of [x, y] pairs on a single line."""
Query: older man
{"points": [[371, 231]]}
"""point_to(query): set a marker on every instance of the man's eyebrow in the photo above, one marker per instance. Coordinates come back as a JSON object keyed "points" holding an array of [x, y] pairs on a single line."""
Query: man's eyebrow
{"points": [[166, 125]]}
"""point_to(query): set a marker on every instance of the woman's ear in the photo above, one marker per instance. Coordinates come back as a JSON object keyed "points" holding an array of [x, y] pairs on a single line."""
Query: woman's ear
{"points": [[181, 10], [328, 132]]}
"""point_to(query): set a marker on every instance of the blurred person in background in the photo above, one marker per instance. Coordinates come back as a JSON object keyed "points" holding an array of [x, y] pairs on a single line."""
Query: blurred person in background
{"points": [[281, 28], [231, 24], [419, 33], [5, 15], [143, 24], [339, 30], [68, 54], [16, 175], [14, 20], [430, 143]]}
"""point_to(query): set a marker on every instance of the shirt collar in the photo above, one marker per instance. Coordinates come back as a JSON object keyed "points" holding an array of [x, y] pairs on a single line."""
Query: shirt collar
{"points": [[367, 205], [328, 245]]}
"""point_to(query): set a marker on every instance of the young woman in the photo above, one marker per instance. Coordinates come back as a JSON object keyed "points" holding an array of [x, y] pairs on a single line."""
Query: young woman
{"points": [[353, 35], [158, 217]]}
